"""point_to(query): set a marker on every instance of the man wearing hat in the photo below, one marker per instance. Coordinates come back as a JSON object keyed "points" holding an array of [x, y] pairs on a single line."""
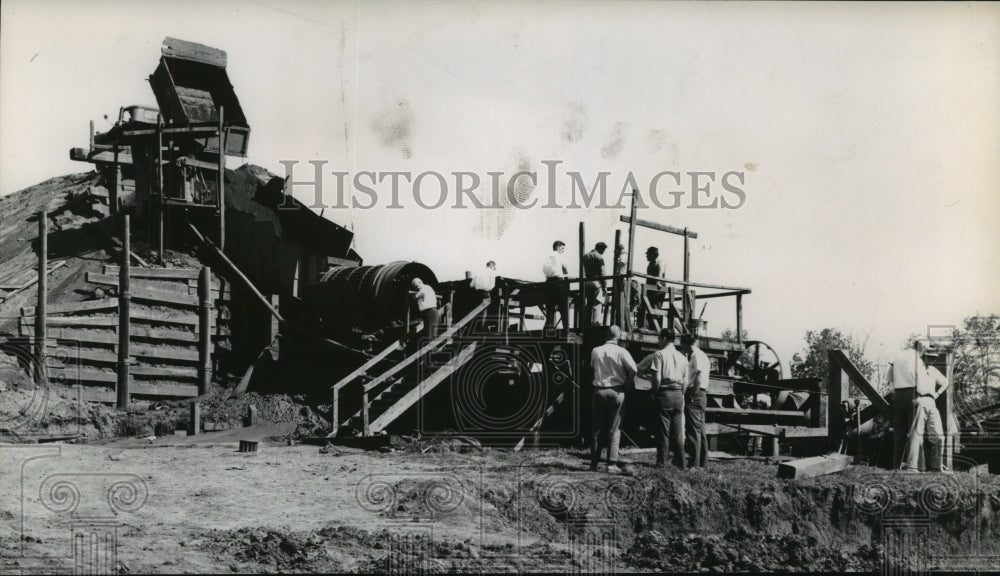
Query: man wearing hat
{"points": [[653, 268]]}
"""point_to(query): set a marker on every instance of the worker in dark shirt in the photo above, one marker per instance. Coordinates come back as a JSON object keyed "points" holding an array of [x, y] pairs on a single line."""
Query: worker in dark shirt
{"points": [[653, 288], [594, 290]]}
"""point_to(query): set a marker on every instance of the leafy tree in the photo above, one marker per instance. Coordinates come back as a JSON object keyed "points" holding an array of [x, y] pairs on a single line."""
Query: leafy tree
{"points": [[976, 368], [815, 363]]}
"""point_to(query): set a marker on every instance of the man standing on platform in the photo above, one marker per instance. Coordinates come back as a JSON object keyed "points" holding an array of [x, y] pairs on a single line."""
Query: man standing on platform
{"points": [[556, 290], [695, 401], [613, 369], [596, 293], [669, 371], [653, 287]]}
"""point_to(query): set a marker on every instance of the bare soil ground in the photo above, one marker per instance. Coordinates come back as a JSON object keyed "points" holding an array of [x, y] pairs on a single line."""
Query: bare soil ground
{"points": [[177, 506]]}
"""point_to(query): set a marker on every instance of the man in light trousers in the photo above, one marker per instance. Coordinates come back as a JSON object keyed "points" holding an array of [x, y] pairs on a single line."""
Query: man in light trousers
{"points": [[613, 369]]}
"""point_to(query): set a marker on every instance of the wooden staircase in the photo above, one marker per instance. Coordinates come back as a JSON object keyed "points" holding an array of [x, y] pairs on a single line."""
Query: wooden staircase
{"points": [[388, 386]]}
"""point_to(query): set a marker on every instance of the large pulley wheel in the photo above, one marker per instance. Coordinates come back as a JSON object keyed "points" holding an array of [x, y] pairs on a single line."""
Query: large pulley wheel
{"points": [[761, 362]]}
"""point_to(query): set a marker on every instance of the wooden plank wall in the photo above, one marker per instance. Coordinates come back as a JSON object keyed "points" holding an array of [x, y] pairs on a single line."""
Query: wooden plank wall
{"points": [[164, 323]]}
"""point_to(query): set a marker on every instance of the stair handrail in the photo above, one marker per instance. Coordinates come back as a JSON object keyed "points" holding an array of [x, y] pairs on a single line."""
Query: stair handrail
{"points": [[430, 346]]}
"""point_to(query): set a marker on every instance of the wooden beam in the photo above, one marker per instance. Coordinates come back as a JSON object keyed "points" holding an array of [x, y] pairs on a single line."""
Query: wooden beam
{"points": [[90, 321], [815, 466], [165, 353], [753, 411], [661, 227], [159, 273], [862, 383], [693, 284], [105, 304]]}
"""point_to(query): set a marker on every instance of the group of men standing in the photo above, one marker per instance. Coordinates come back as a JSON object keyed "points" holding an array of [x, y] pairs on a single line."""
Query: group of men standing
{"points": [[916, 388], [594, 290], [678, 386]]}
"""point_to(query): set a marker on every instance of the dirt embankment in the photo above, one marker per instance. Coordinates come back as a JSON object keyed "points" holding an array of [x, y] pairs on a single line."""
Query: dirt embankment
{"points": [[546, 513]]}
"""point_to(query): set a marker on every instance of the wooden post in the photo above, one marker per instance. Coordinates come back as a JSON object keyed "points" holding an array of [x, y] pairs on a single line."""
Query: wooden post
{"points": [[194, 425], [41, 377], [205, 330], [91, 136], [739, 318], [671, 317], [951, 435], [582, 321], [687, 260], [222, 181], [123, 315], [631, 234], [617, 286], [159, 185], [837, 387], [365, 428], [113, 193], [450, 315], [335, 412]]}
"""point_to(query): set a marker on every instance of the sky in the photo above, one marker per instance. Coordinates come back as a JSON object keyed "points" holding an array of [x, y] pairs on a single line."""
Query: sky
{"points": [[864, 138]]}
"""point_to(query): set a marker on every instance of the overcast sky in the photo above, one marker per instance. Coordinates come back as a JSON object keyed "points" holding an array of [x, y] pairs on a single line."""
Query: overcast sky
{"points": [[867, 135]]}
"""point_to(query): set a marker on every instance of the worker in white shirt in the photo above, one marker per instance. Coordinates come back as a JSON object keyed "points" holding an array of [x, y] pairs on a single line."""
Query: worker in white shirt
{"points": [[668, 369], [613, 369], [952, 437], [557, 291], [426, 300], [902, 376], [695, 401], [486, 279], [926, 421]]}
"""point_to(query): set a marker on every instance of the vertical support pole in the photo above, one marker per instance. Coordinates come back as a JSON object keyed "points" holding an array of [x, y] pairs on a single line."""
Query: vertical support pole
{"points": [[450, 315], [689, 301], [837, 390], [124, 302], [159, 186], [365, 428], [113, 193], [194, 425], [775, 446], [335, 412], [43, 289], [617, 287], [91, 136], [222, 181], [671, 316], [951, 435], [205, 330], [582, 321], [739, 318], [631, 233], [687, 260]]}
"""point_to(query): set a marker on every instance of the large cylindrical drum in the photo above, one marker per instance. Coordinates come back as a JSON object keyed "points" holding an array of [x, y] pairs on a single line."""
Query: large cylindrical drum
{"points": [[366, 297]]}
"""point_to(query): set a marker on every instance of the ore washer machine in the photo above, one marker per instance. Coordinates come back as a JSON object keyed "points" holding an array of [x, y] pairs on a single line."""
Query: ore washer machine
{"points": [[313, 318]]}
